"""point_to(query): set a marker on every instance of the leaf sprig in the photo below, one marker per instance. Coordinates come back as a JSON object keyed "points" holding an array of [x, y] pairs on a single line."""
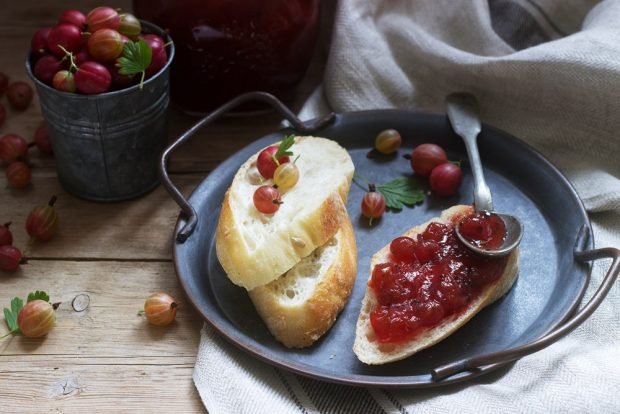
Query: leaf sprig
{"points": [[284, 147], [136, 59], [401, 192]]}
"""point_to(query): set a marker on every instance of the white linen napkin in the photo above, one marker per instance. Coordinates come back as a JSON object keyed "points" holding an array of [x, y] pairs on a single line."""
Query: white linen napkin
{"points": [[545, 71]]}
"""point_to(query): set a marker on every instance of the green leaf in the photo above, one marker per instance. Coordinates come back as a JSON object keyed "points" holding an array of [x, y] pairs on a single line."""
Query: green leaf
{"points": [[10, 315], [401, 191], [285, 145], [39, 294], [136, 57]]}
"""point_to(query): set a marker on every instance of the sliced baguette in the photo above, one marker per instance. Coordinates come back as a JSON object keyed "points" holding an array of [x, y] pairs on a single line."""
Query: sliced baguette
{"points": [[371, 351], [254, 248], [301, 305]]}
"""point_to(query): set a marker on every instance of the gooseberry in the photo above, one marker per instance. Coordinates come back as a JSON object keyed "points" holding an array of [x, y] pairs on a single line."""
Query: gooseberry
{"points": [[42, 139], [129, 25], [74, 17], [373, 205], [38, 44], [102, 17], [105, 45], [425, 157], [445, 179], [18, 174], [36, 318], [81, 57], [12, 148], [10, 258], [46, 67], [402, 249], [388, 141], [158, 61], [286, 175], [64, 38], [265, 162], [64, 80], [156, 43], [92, 77], [267, 199], [20, 95], [42, 222], [120, 81], [160, 309], [6, 237]]}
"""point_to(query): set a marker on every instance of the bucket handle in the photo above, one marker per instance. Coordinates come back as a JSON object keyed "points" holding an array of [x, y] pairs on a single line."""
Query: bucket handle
{"points": [[306, 127], [512, 354]]}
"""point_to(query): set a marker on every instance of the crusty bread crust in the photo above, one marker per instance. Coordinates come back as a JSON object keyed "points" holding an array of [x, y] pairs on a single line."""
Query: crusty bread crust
{"points": [[370, 351], [289, 235], [300, 324]]}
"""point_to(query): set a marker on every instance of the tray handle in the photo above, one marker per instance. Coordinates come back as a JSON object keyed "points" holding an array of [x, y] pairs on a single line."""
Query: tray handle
{"points": [[306, 127], [512, 354]]}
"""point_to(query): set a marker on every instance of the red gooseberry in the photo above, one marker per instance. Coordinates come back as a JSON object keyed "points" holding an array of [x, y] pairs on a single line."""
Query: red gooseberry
{"points": [[74, 17], [42, 139], [18, 174], [64, 36], [92, 77], [12, 148], [6, 237], [38, 43], [46, 67], [42, 221], [105, 45], [20, 95], [102, 17], [425, 157], [64, 80], [446, 179], [36, 319], [10, 258]]}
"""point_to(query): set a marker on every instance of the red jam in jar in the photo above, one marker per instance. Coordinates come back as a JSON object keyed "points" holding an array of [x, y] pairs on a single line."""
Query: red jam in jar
{"points": [[428, 279], [483, 229], [227, 47]]}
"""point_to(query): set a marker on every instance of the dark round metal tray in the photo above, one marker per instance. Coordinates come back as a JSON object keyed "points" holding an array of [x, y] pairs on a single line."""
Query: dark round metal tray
{"points": [[549, 288]]}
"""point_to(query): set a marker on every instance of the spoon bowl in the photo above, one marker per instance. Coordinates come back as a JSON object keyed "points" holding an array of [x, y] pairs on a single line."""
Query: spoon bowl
{"points": [[464, 117]]}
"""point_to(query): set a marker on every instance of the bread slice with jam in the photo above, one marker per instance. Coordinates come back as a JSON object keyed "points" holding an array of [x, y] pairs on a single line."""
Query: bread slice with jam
{"points": [[410, 306], [256, 248], [301, 305]]}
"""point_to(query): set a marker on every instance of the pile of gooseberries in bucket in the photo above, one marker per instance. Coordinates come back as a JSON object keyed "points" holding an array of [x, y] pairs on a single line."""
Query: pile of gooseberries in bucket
{"points": [[97, 52]]}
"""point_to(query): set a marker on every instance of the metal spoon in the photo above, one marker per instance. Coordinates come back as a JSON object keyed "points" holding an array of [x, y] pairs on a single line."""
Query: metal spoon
{"points": [[464, 116]]}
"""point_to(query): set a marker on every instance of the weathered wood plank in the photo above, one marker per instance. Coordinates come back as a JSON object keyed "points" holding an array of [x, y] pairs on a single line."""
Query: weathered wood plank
{"points": [[104, 358]]}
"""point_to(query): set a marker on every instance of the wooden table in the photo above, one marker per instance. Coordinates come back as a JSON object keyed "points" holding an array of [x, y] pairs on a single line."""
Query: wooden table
{"points": [[106, 358]]}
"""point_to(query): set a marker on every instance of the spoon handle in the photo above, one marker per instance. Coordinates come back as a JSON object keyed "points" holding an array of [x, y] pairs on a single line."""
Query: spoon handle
{"points": [[464, 116]]}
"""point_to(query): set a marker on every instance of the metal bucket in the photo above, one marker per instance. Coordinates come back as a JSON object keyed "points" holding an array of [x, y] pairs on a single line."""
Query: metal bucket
{"points": [[107, 146]]}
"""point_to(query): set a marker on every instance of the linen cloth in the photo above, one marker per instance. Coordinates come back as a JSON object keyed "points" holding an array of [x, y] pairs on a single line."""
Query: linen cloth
{"points": [[545, 71]]}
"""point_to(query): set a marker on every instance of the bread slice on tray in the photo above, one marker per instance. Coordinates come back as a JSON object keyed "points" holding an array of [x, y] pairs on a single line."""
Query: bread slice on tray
{"points": [[371, 351], [301, 305], [255, 248]]}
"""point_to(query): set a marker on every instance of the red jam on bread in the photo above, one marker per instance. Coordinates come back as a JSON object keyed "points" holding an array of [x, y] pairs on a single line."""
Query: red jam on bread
{"points": [[432, 278]]}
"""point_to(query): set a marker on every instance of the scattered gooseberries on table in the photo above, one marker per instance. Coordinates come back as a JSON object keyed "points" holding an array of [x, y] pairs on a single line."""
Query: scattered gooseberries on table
{"points": [[6, 237], [42, 222], [18, 174], [160, 309], [101, 51], [37, 318]]}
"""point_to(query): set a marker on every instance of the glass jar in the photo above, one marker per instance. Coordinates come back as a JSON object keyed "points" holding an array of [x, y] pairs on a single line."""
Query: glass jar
{"points": [[228, 47]]}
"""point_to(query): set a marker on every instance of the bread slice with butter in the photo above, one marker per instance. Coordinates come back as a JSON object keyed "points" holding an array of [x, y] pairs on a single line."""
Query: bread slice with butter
{"points": [[373, 352], [255, 248], [301, 305]]}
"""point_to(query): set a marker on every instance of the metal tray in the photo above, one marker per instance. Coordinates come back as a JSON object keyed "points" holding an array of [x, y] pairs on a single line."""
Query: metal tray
{"points": [[553, 271]]}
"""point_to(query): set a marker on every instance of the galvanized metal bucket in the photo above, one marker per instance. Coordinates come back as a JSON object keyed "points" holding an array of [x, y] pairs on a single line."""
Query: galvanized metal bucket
{"points": [[107, 146]]}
